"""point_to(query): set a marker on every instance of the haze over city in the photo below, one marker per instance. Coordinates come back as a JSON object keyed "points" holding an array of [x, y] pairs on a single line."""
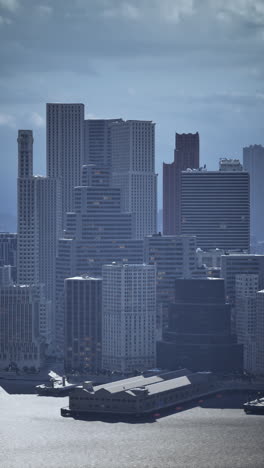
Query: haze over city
{"points": [[131, 233]]}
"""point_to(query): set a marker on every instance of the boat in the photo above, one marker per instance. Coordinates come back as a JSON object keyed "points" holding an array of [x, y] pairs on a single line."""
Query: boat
{"points": [[254, 406], [58, 386], [139, 395]]}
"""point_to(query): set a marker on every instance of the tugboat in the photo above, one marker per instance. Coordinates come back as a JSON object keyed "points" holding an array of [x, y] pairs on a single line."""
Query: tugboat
{"points": [[254, 406], [59, 386]]}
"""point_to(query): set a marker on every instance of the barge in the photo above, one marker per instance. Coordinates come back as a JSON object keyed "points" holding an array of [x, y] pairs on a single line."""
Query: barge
{"points": [[139, 396]]}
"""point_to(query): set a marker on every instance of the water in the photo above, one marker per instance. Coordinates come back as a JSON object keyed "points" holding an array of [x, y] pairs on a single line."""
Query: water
{"points": [[217, 434]]}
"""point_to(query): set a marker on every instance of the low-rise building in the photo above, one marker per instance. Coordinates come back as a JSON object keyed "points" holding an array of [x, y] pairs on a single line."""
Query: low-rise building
{"points": [[139, 395]]}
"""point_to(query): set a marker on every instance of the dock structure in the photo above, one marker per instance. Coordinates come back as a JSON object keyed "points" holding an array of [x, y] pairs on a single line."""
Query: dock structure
{"points": [[139, 395]]}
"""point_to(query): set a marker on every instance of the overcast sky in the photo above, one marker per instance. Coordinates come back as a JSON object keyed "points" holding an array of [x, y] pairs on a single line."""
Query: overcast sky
{"points": [[188, 65]]}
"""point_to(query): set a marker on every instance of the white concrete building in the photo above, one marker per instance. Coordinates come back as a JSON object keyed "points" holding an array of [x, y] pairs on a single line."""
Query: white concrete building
{"points": [[253, 162], [133, 166], [65, 147], [260, 333], [129, 317], [236, 264], [247, 287]]}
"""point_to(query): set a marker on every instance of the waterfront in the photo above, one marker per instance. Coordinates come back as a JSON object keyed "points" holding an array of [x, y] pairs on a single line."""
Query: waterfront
{"points": [[216, 434]]}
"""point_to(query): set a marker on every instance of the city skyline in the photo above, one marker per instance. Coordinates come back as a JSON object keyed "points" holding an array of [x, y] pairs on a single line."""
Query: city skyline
{"points": [[9, 215], [188, 66], [131, 233]]}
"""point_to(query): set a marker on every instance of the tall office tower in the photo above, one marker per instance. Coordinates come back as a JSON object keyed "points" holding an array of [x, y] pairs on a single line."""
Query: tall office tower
{"points": [[253, 162], [199, 335], [20, 339], [186, 156], [236, 264], [96, 232], [8, 252], [247, 287], [133, 171], [215, 208], [97, 141], [93, 175], [129, 317], [83, 323], [65, 148], [26, 248], [96, 222], [174, 257], [97, 225], [39, 220], [260, 333], [65, 268], [48, 228]]}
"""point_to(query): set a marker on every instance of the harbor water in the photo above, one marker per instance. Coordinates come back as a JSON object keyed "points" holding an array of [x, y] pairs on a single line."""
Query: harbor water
{"points": [[213, 433]]}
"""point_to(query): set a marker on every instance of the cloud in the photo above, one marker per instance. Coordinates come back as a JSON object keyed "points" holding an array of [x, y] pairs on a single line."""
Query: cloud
{"points": [[174, 11], [37, 120], [44, 10], [7, 120], [123, 10], [10, 5], [247, 10], [165, 10], [4, 20]]}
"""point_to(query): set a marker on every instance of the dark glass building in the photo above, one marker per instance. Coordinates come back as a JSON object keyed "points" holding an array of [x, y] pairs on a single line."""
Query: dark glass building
{"points": [[186, 155], [83, 323], [198, 334]]}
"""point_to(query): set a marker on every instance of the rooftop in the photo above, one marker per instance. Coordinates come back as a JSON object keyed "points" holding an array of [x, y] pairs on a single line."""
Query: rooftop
{"points": [[152, 385], [83, 278]]}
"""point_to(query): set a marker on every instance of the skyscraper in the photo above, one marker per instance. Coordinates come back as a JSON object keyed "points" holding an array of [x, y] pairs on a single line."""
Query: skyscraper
{"points": [[97, 141], [96, 232], [39, 226], [174, 257], [65, 147], [27, 271], [186, 156], [253, 162], [83, 323], [247, 287], [215, 208], [133, 171], [260, 333], [97, 221], [237, 264], [129, 317]]}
